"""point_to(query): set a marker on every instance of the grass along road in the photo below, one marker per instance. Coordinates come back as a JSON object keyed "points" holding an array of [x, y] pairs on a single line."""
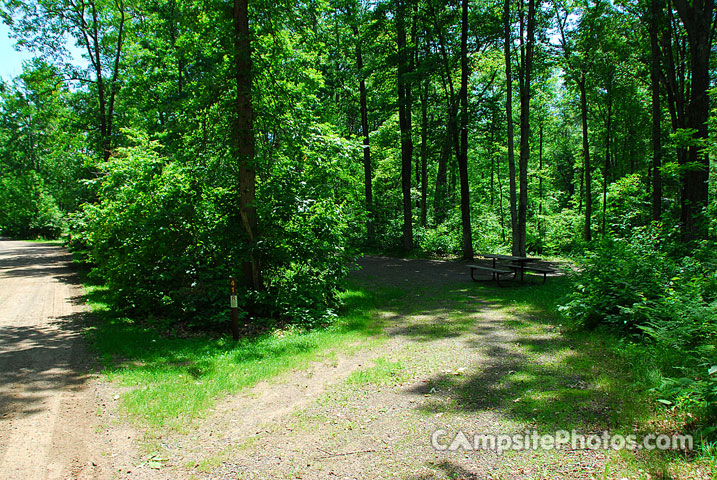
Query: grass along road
{"points": [[359, 401]]}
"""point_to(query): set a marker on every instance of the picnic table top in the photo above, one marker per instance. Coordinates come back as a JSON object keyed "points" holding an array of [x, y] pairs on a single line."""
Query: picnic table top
{"points": [[511, 258]]}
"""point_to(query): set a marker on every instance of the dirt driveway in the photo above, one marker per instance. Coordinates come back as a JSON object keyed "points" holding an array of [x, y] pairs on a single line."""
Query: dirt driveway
{"points": [[47, 405]]}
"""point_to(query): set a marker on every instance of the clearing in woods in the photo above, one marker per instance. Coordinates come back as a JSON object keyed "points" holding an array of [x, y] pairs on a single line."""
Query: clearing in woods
{"points": [[452, 356]]}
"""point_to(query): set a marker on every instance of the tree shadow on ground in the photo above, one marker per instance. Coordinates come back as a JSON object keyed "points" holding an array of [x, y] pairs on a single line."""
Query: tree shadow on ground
{"points": [[450, 470], [35, 359], [41, 354], [38, 260], [533, 377]]}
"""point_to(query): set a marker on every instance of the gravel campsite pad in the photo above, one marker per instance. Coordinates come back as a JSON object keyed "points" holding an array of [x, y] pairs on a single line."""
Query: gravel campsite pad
{"points": [[454, 359]]}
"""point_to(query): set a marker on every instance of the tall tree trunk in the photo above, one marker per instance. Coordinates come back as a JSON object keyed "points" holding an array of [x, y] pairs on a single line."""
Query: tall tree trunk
{"points": [[439, 202], [463, 157], [424, 153], [586, 159], [673, 78], [114, 83], [492, 168], [526, 54], [244, 135], [500, 201], [412, 65], [106, 90], [453, 128], [581, 189], [586, 175], [540, 181], [656, 7], [509, 118], [697, 19], [606, 167], [367, 170], [404, 117]]}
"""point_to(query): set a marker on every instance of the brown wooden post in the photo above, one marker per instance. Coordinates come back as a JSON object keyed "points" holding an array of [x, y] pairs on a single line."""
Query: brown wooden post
{"points": [[234, 304]]}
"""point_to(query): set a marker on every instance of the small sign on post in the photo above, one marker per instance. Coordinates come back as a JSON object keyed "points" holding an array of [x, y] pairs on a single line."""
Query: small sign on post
{"points": [[234, 305]]}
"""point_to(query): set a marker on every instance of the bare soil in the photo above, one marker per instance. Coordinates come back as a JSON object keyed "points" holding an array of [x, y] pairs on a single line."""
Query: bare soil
{"points": [[445, 362], [371, 414], [50, 427]]}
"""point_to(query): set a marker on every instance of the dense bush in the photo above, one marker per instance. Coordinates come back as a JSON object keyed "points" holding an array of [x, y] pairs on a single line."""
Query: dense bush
{"points": [[27, 210], [620, 282], [148, 236], [443, 239], [628, 204], [309, 210], [163, 240], [562, 232], [642, 290]]}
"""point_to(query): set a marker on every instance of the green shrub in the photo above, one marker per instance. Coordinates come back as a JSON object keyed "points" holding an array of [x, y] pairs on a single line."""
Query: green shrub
{"points": [[163, 238], [628, 204], [149, 237], [304, 251], [620, 282], [487, 235], [639, 289], [443, 239], [27, 210], [563, 232]]}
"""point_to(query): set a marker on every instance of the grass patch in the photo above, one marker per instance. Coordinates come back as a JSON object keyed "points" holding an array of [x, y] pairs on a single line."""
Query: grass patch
{"points": [[171, 381], [49, 241], [383, 372]]}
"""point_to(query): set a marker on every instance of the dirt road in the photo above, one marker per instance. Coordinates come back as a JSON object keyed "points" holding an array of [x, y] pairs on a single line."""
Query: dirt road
{"points": [[47, 408]]}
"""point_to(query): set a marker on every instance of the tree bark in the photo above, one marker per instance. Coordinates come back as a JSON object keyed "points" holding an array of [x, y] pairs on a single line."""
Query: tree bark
{"points": [[586, 159], [367, 169], [509, 118], [697, 19], [526, 64], [463, 157], [244, 136], [404, 124], [453, 130], [424, 153], [656, 7], [439, 199], [106, 91], [606, 167], [540, 181]]}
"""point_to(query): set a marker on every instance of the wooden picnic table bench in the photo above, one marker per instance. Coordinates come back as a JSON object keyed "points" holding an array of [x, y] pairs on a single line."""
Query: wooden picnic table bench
{"points": [[530, 268], [495, 272], [517, 266]]}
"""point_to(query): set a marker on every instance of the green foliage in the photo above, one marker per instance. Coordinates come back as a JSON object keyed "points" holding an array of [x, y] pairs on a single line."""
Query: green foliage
{"points": [[563, 232], [165, 242], [487, 232], [27, 210], [151, 236], [39, 157], [638, 287], [619, 282], [628, 204], [444, 239], [306, 216]]}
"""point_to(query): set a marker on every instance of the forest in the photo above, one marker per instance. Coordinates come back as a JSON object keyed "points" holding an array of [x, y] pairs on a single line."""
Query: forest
{"points": [[277, 141]]}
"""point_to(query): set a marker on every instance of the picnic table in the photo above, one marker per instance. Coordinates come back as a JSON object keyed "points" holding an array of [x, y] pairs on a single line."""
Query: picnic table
{"points": [[517, 265]]}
